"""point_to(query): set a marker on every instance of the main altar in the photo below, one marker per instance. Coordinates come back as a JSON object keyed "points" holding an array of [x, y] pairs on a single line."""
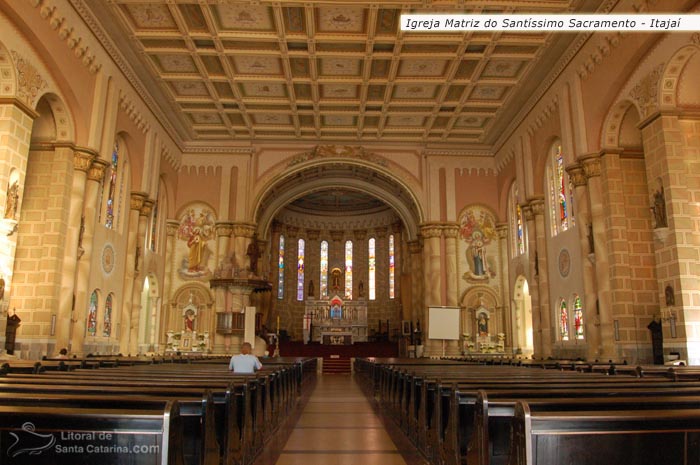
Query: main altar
{"points": [[334, 321]]}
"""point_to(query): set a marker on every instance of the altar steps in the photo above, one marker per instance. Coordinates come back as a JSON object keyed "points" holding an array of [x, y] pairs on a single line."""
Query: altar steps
{"points": [[332, 365]]}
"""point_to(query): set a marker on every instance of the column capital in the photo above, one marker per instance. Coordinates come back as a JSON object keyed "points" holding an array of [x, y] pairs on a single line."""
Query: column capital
{"points": [[242, 229], [590, 164], [528, 215], [450, 230], [313, 234], [293, 232], [381, 232], [97, 169], [82, 161], [360, 234], [336, 235], [223, 228], [171, 227], [147, 207], [430, 230], [137, 199], [396, 227], [577, 175], [537, 206], [276, 227], [502, 230], [414, 247]]}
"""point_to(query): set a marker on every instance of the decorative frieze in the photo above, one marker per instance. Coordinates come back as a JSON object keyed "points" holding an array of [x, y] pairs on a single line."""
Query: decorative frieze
{"points": [[537, 206], [336, 235], [224, 229], [338, 151], [243, 229], [646, 92], [591, 167], [360, 234], [450, 231], [431, 230], [313, 234], [30, 84], [381, 232]]}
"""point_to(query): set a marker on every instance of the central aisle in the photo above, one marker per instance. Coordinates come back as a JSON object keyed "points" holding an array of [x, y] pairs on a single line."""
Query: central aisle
{"points": [[339, 427]]}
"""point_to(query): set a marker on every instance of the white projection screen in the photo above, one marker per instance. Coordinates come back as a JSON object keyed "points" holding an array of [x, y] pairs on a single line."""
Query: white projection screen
{"points": [[443, 323]]}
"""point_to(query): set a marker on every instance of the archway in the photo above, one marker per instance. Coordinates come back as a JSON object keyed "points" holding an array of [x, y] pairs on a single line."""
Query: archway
{"points": [[522, 317]]}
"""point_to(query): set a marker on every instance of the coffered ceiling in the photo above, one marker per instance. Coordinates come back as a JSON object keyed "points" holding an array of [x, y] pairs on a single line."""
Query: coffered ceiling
{"points": [[321, 70]]}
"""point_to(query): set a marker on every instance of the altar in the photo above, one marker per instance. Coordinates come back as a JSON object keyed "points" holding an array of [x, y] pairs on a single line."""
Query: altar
{"points": [[335, 321]]}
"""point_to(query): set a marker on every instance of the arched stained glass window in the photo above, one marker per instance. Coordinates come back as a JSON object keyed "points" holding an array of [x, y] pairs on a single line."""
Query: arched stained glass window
{"points": [[516, 223], [578, 317], [348, 270], [280, 269], [324, 269], [107, 325], [92, 315], [560, 193], [112, 188], [563, 321], [372, 268], [300, 270], [392, 287]]}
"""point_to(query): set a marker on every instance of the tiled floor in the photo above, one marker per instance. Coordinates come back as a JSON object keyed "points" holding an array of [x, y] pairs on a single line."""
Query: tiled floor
{"points": [[338, 426]]}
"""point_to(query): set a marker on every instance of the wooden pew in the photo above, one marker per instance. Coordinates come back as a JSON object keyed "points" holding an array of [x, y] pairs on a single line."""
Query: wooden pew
{"points": [[60, 435], [647, 437], [493, 426]]}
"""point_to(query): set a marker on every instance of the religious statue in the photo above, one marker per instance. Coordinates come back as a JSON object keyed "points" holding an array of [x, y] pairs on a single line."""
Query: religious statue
{"points": [[670, 298], [335, 279], [482, 325], [253, 252], [312, 292], [12, 200], [189, 320], [361, 289], [659, 209]]}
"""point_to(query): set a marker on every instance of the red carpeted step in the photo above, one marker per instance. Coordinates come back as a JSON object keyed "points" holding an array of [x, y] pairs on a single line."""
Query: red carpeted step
{"points": [[334, 364]]}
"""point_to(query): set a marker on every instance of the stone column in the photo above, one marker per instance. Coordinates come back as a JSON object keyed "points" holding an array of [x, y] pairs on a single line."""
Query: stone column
{"points": [[529, 218], [450, 232], [506, 321], [167, 321], [415, 249], [125, 323], [95, 177], [671, 147], [583, 214], [537, 206], [81, 164], [224, 229], [138, 336], [432, 281], [592, 170], [243, 234]]}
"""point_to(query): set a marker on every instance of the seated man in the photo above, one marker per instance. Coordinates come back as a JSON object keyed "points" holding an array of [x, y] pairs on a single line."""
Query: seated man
{"points": [[245, 362]]}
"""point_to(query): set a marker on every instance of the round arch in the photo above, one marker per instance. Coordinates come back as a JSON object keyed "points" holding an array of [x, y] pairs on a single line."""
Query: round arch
{"points": [[63, 120], [613, 123], [353, 175], [523, 336], [8, 74], [670, 80]]}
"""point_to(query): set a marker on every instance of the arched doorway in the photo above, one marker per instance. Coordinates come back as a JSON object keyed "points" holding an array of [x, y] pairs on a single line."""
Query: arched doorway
{"points": [[522, 317]]}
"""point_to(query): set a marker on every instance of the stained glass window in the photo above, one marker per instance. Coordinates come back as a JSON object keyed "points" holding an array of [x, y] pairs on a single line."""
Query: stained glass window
{"points": [[92, 315], [300, 270], [107, 326], [324, 269], [578, 317], [111, 190], [372, 269], [516, 223], [392, 288], [348, 270], [563, 321], [560, 193], [280, 270]]}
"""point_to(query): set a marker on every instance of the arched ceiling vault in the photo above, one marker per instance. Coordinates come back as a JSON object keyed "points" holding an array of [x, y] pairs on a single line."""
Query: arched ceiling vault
{"points": [[344, 176]]}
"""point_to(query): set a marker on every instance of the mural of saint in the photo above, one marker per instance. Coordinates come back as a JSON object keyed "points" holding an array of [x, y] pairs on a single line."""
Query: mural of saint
{"points": [[196, 229], [478, 230]]}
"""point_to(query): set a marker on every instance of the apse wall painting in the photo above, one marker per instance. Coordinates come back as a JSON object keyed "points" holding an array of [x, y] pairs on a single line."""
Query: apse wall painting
{"points": [[195, 235], [478, 230]]}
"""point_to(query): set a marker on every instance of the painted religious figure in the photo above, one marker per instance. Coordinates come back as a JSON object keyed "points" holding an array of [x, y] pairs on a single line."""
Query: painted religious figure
{"points": [[196, 229], [478, 230], [482, 325]]}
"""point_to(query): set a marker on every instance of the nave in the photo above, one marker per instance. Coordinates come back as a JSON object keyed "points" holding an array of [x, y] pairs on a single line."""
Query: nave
{"points": [[338, 425]]}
